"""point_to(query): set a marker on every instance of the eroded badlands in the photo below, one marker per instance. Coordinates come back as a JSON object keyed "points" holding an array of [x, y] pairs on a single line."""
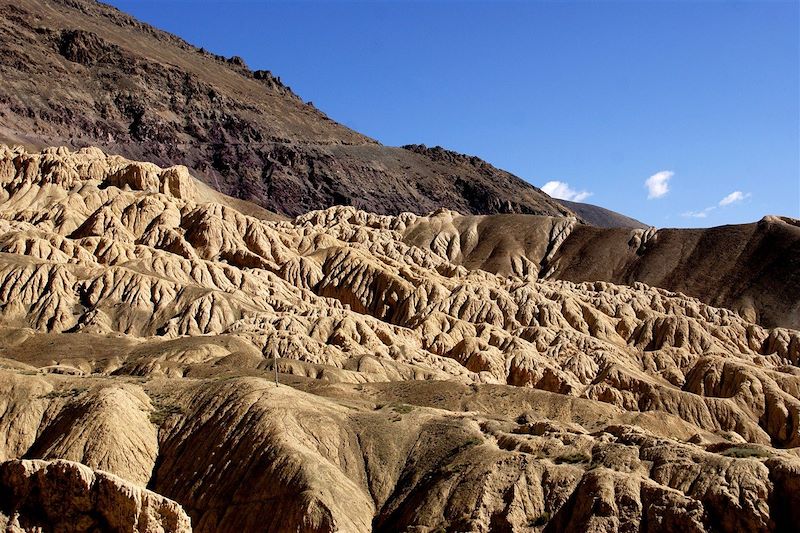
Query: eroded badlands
{"points": [[143, 315]]}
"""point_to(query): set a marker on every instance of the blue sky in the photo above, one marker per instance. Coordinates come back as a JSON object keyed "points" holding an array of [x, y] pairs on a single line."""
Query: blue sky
{"points": [[699, 99]]}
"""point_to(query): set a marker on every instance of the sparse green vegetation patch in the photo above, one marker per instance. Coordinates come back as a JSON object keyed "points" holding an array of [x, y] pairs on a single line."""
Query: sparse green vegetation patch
{"points": [[472, 441], [739, 452], [161, 412], [71, 392], [572, 458], [402, 408], [163, 408]]}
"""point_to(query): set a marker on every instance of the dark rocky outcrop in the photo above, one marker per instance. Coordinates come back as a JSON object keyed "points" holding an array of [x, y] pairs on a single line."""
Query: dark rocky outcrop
{"points": [[142, 93]]}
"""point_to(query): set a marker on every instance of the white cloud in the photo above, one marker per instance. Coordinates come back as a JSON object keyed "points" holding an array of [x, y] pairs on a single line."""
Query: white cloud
{"points": [[732, 198], [658, 184], [562, 191], [698, 214]]}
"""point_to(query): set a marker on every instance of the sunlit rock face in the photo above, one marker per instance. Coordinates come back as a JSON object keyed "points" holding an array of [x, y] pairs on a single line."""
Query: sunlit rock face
{"points": [[144, 315]]}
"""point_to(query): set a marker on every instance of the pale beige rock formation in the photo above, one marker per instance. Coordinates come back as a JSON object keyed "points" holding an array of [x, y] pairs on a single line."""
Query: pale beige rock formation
{"points": [[143, 316], [66, 496], [749, 268]]}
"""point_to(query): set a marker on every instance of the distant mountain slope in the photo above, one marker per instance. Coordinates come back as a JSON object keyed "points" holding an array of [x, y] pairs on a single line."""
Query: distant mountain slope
{"points": [[753, 269], [80, 73], [601, 217]]}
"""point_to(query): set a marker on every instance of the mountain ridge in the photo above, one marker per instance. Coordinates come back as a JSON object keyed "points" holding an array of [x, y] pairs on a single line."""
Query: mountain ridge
{"points": [[149, 95], [753, 269]]}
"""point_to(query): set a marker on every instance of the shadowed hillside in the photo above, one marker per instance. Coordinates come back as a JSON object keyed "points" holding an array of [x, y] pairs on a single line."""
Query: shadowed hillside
{"points": [[140, 92]]}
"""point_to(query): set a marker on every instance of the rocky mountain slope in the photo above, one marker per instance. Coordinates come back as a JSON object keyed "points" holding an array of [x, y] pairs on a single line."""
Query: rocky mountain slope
{"points": [[65, 496], [145, 317], [143, 93], [753, 269], [594, 215]]}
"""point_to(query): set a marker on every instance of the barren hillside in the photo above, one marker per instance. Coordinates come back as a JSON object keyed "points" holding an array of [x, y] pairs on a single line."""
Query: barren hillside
{"points": [[140, 92], [144, 316], [753, 269]]}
